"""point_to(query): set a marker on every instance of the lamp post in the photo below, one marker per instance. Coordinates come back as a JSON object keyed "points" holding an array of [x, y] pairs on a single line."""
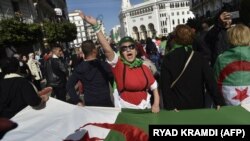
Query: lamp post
{"points": [[45, 40], [58, 14]]}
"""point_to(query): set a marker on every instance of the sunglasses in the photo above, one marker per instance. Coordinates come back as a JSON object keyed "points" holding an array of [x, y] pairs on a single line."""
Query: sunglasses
{"points": [[126, 48]]}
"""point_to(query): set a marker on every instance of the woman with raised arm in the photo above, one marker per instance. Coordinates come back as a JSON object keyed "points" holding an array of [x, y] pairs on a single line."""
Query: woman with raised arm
{"points": [[132, 77]]}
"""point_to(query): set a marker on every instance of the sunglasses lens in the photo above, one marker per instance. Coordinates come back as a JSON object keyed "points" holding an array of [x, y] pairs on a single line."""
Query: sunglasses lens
{"points": [[126, 48], [131, 47]]}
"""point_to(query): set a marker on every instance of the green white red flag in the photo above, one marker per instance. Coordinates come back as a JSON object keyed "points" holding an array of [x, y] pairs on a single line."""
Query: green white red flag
{"points": [[232, 71]]}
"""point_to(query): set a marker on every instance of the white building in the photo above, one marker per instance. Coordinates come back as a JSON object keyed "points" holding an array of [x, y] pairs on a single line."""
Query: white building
{"points": [[208, 8], [115, 33], [153, 17], [81, 28], [91, 35], [84, 30]]}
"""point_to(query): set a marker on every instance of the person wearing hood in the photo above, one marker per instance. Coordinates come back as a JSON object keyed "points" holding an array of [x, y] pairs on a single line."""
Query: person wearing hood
{"points": [[94, 75], [133, 79]]}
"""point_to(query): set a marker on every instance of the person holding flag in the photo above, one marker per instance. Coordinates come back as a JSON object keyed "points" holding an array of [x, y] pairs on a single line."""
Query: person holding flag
{"points": [[132, 77], [232, 68]]}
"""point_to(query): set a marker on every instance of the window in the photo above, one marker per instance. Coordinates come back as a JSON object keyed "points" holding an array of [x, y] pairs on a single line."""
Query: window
{"points": [[173, 22], [149, 17], [172, 13], [178, 21], [183, 20], [183, 12], [171, 5], [165, 30], [141, 19], [178, 13], [187, 12], [134, 21]]}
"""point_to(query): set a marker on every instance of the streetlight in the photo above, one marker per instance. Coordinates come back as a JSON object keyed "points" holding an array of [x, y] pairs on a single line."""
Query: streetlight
{"points": [[45, 40], [58, 12]]}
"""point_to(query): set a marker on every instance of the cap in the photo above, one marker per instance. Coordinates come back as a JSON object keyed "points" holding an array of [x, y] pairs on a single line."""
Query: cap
{"points": [[126, 39]]}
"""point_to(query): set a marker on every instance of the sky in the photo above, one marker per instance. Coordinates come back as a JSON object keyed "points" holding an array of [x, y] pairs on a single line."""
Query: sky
{"points": [[107, 9]]}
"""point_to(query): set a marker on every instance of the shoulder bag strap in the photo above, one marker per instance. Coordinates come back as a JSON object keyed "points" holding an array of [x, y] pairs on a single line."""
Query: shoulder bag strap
{"points": [[189, 58]]}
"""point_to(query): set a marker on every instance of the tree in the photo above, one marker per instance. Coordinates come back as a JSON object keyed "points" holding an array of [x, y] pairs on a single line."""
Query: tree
{"points": [[15, 32], [60, 32]]}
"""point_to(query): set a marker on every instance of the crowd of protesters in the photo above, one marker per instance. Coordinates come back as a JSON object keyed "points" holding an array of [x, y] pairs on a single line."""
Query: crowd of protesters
{"points": [[181, 71]]}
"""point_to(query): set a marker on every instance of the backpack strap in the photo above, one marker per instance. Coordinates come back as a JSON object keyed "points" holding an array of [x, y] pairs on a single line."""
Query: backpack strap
{"points": [[123, 79], [189, 58], [124, 74], [145, 78]]}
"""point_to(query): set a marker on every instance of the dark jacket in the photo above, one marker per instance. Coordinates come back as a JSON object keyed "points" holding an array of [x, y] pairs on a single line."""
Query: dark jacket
{"points": [[56, 72], [188, 92], [217, 41], [15, 94], [95, 76]]}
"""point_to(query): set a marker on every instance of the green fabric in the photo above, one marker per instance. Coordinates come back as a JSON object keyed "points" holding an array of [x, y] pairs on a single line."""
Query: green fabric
{"points": [[180, 46], [126, 39], [136, 63], [163, 44], [240, 78], [228, 115]]}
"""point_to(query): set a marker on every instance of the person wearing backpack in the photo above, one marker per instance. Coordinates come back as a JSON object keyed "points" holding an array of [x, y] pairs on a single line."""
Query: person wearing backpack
{"points": [[185, 74]]}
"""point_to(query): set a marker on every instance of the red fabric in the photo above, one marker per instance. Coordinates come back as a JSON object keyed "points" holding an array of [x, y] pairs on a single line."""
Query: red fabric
{"points": [[130, 132], [230, 68], [135, 82], [87, 138], [141, 50]]}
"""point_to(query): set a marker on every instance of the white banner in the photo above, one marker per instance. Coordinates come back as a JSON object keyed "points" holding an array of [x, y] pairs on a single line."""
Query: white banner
{"points": [[59, 121]]}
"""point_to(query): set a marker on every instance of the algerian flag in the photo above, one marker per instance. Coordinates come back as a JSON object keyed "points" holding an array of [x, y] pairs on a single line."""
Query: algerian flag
{"points": [[61, 121], [232, 71]]}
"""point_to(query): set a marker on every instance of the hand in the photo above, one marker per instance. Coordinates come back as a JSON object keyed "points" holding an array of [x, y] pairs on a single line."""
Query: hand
{"points": [[218, 107], [155, 109], [176, 110], [45, 91], [226, 19], [80, 104], [89, 19], [44, 98]]}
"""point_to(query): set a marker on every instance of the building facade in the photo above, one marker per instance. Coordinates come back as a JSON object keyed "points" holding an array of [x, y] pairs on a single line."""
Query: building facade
{"points": [[81, 28], [47, 9], [115, 33], [153, 18], [209, 8], [25, 8], [84, 30], [91, 35]]}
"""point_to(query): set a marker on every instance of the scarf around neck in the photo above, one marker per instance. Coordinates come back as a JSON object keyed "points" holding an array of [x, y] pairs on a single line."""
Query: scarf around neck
{"points": [[136, 63], [181, 46]]}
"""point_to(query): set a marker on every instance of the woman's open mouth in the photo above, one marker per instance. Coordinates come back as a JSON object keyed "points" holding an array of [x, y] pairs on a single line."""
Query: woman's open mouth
{"points": [[130, 55]]}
